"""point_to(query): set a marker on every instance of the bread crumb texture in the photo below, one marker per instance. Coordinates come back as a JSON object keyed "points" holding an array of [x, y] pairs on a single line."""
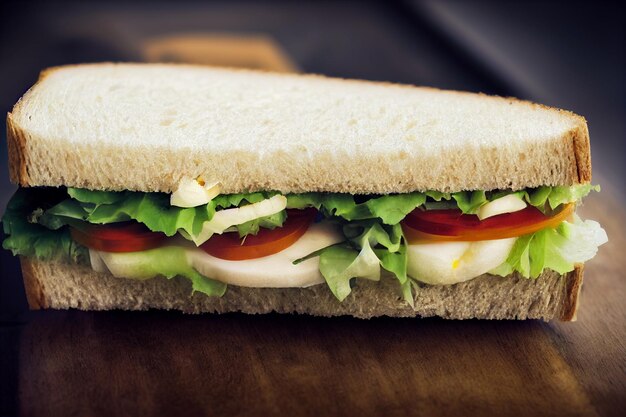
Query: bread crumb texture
{"points": [[145, 127]]}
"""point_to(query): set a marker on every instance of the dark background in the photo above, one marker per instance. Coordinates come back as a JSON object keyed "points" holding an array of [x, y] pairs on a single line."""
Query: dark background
{"points": [[561, 53]]}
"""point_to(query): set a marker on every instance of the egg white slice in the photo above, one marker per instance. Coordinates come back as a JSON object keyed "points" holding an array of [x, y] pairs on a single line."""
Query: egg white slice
{"points": [[273, 271], [507, 204], [222, 220], [444, 263], [192, 193]]}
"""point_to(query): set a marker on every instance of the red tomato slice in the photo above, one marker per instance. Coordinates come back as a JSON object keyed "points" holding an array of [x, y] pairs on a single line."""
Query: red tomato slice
{"points": [[231, 247], [453, 225], [117, 237]]}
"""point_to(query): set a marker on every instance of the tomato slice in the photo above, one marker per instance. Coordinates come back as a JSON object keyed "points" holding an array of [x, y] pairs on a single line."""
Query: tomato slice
{"points": [[117, 237], [453, 225], [267, 242]]}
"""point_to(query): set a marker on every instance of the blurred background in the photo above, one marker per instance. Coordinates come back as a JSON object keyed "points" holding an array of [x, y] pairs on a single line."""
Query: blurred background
{"points": [[562, 53]]}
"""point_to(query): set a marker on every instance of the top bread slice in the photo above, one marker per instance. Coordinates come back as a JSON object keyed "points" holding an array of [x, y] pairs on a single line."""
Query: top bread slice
{"points": [[145, 127]]}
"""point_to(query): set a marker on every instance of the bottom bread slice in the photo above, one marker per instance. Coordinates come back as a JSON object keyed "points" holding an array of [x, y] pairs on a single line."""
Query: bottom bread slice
{"points": [[551, 296]]}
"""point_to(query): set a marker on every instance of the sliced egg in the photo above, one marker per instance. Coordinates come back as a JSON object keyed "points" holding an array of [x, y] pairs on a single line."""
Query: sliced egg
{"points": [[507, 204], [194, 193], [444, 263], [96, 261], [273, 271], [224, 219]]}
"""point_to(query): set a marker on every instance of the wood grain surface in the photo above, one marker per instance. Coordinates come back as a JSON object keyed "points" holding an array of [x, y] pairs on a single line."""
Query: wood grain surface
{"points": [[158, 363]]}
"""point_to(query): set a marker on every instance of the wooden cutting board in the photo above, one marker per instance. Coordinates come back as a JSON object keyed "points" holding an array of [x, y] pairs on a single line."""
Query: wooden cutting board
{"points": [[159, 363]]}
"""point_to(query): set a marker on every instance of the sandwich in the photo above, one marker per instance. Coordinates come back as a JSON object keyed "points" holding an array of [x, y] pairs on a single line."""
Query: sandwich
{"points": [[199, 189]]}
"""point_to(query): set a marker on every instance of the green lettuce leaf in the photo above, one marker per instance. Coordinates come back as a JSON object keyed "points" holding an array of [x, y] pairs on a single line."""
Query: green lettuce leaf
{"points": [[153, 210], [167, 261], [269, 222], [552, 197], [372, 245], [104, 207], [470, 201], [396, 263], [236, 200], [391, 209], [96, 197], [340, 264], [31, 239], [563, 195], [556, 249]]}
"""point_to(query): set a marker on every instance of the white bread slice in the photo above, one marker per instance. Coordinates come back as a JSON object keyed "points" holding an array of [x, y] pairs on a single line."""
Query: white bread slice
{"points": [[145, 126], [551, 296]]}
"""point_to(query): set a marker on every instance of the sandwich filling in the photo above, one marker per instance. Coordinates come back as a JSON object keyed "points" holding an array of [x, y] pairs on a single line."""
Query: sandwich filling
{"points": [[266, 239]]}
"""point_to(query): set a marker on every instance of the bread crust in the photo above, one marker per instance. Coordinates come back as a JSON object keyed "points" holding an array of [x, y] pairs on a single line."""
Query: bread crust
{"points": [[582, 153], [18, 157], [573, 286], [551, 296], [35, 293], [576, 162]]}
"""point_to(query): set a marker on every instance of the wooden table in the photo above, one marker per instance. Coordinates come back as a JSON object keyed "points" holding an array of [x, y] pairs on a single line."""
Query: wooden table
{"points": [[117, 363]]}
